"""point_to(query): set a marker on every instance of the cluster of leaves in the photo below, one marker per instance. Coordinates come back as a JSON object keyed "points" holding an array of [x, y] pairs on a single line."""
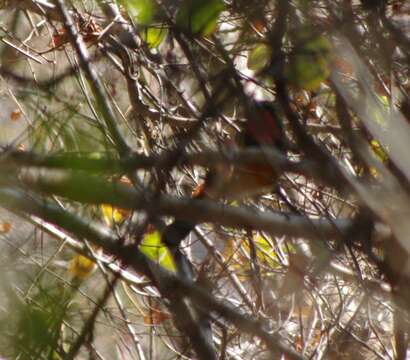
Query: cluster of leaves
{"points": [[192, 17]]}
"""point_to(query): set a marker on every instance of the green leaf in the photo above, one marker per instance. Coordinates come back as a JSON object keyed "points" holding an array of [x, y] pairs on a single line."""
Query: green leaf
{"points": [[143, 11], [153, 36], [147, 14], [199, 16], [259, 57], [153, 247], [379, 151], [266, 252], [309, 64]]}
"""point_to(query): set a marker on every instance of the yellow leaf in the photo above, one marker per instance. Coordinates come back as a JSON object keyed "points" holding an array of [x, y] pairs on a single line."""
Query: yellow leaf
{"points": [[380, 154], [379, 151], [81, 267], [112, 215], [265, 251], [153, 247], [154, 35]]}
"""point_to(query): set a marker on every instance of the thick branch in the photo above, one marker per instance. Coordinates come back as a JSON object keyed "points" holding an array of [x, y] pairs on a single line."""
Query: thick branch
{"points": [[91, 189], [111, 165]]}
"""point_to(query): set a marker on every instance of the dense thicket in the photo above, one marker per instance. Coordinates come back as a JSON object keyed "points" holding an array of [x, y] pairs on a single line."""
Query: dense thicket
{"points": [[220, 179]]}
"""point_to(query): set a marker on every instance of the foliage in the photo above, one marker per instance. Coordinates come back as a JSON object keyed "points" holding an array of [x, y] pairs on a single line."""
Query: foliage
{"points": [[220, 179]]}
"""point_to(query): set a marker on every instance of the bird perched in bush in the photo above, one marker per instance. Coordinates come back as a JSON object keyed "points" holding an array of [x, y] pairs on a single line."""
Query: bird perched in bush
{"points": [[262, 129]]}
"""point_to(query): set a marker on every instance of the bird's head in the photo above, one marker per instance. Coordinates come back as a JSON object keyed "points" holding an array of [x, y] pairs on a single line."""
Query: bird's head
{"points": [[263, 126]]}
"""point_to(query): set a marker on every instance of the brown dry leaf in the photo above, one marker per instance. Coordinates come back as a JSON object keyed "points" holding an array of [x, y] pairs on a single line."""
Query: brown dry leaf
{"points": [[15, 115], [60, 38], [5, 227], [156, 317], [90, 31]]}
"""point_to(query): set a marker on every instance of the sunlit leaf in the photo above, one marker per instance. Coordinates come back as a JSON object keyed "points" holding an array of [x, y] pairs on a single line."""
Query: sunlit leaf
{"points": [[199, 16], [378, 150], [259, 57], [265, 251], [380, 154], [112, 215], [154, 36], [153, 247]]}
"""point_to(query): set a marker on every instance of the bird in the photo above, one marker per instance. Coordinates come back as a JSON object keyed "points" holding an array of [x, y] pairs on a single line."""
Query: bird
{"points": [[261, 129]]}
